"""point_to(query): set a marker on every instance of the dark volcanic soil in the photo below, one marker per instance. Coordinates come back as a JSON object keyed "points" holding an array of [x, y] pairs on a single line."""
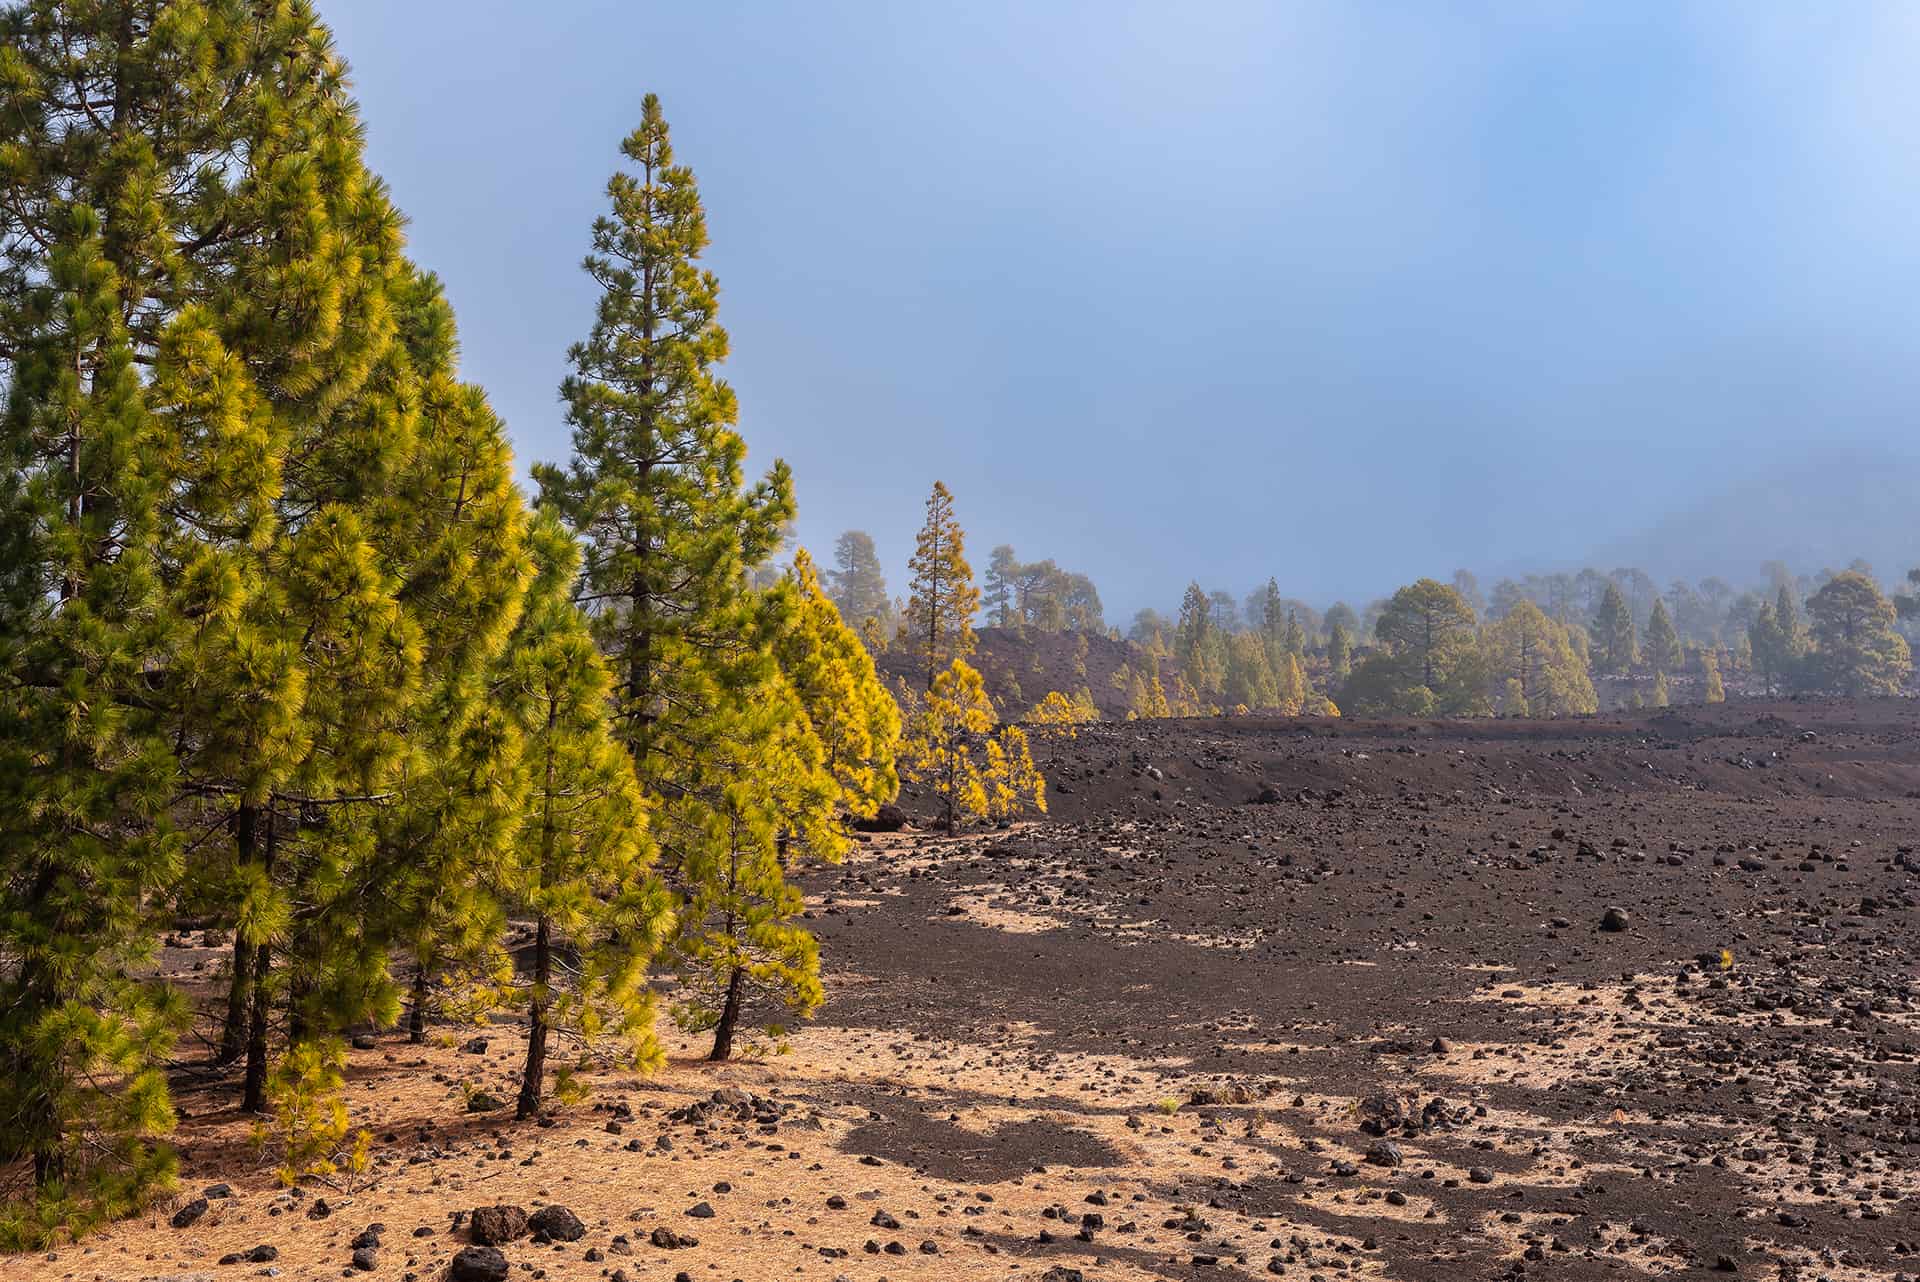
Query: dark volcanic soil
{"points": [[1314, 999], [1404, 883]]}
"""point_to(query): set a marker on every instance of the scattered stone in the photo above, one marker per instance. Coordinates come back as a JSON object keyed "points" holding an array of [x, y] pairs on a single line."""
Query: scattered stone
{"points": [[494, 1225], [555, 1224], [478, 1264], [888, 818], [1385, 1153], [257, 1255]]}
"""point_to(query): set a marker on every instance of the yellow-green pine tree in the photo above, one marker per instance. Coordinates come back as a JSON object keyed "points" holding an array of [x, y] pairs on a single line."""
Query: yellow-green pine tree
{"points": [[943, 599], [832, 673], [976, 768], [579, 863], [1716, 689]]}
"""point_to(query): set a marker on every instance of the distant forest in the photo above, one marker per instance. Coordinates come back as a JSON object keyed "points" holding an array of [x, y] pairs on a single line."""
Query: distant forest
{"points": [[1542, 645]]}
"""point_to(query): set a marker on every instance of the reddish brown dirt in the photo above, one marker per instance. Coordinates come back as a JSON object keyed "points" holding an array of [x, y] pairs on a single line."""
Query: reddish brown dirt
{"points": [[1188, 1004]]}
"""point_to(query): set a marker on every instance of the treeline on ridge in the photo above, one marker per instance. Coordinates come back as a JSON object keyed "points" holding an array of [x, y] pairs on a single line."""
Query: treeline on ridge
{"points": [[1546, 645]]}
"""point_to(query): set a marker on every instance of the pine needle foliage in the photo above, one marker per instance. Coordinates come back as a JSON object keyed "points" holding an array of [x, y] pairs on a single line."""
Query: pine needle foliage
{"points": [[833, 675], [940, 609], [976, 768], [728, 698], [579, 863], [655, 486], [307, 1128]]}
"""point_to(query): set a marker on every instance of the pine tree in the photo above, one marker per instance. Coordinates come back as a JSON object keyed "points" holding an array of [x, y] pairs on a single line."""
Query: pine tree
{"points": [[190, 178], [1907, 604], [1057, 711], [1003, 576], [1196, 622], [1273, 621], [1771, 647], [859, 584], [1295, 638], [1294, 692], [1661, 695], [1513, 698], [720, 738], [1339, 653], [452, 524], [1662, 649], [849, 710], [941, 608], [655, 484], [1081, 602], [1150, 700], [1857, 648], [1468, 586], [758, 799], [1613, 632], [1716, 690], [1250, 679], [977, 768], [85, 775], [1793, 628], [1055, 716], [1531, 654], [1199, 643], [1428, 630], [579, 860]]}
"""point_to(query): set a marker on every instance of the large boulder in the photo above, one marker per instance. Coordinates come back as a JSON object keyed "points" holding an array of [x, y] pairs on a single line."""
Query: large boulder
{"points": [[478, 1264], [494, 1225], [888, 818], [556, 1224]]}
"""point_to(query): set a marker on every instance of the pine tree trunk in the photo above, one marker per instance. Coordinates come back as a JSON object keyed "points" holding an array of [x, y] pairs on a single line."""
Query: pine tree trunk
{"points": [[299, 988], [255, 1097], [49, 1167], [534, 1076], [729, 1017], [233, 1031], [417, 1011], [38, 993], [233, 1034]]}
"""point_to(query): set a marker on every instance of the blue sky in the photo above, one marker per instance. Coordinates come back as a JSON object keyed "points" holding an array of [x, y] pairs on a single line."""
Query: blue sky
{"points": [[1343, 293]]}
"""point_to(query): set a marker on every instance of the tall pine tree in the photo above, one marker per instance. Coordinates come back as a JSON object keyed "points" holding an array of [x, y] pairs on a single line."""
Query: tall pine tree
{"points": [[740, 784], [1662, 648], [184, 195], [943, 599], [1613, 633], [859, 584], [655, 487]]}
